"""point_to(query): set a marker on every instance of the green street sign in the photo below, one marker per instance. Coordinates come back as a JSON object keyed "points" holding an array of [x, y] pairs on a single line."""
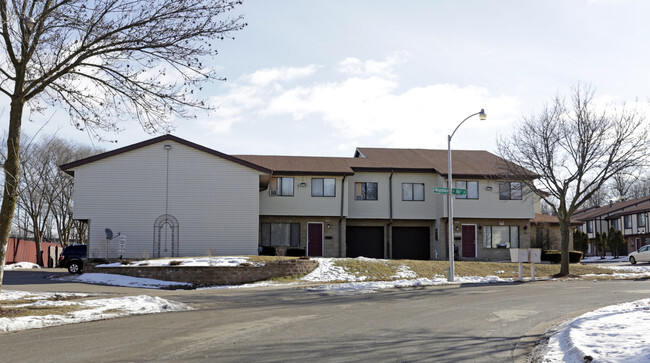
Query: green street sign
{"points": [[454, 191], [459, 191]]}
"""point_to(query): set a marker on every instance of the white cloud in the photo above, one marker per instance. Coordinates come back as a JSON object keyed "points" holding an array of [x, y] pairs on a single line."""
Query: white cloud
{"points": [[364, 102], [356, 67], [266, 76]]}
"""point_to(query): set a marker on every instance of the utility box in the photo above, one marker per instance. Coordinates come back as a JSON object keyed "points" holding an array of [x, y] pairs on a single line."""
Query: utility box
{"points": [[519, 254], [535, 255]]}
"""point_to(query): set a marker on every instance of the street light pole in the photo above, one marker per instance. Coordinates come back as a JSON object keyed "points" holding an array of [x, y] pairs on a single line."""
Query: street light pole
{"points": [[450, 205]]}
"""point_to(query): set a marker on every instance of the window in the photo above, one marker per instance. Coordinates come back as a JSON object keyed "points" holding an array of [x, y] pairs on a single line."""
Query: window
{"points": [[365, 191], [470, 186], [500, 236], [281, 186], [281, 234], [640, 220], [627, 221], [412, 191], [590, 226], [510, 190], [615, 224], [323, 187]]}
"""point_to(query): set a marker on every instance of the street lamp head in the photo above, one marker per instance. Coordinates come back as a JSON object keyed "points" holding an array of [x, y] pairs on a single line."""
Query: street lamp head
{"points": [[482, 115]]}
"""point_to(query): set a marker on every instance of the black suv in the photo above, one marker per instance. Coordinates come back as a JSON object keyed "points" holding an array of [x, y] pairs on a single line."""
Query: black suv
{"points": [[72, 258]]}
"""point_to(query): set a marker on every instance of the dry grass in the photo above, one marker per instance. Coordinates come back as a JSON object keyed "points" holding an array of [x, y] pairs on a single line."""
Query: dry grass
{"points": [[381, 270], [10, 312]]}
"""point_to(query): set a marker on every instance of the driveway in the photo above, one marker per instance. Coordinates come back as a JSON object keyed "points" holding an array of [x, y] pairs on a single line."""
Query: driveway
{"points": [[482, 323]]}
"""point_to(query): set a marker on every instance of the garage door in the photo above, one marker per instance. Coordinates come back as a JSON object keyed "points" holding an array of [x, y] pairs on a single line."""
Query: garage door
{"points": [[365, 241], [411, 243]]}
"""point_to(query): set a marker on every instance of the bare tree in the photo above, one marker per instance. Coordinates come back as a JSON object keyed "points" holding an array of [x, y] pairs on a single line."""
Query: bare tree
{"points": [[60, 185], [622, 184], [575, 150], [104, 61], [33, 189]]}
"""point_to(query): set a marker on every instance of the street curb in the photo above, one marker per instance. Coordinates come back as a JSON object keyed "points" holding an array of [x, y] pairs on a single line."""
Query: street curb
{"points": [[523, 352]]}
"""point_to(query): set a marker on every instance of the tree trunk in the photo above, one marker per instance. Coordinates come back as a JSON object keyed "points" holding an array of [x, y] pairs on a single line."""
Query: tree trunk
{"points": [[564, 232], [11, 168]]}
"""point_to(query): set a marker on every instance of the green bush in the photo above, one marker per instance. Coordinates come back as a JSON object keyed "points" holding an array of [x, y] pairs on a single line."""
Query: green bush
{"points": [[555, 256], [552, 256], [575, 256]]}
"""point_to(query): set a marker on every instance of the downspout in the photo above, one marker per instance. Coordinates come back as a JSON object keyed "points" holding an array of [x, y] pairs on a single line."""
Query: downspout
{"points": [[341, 216], [389, 234]]}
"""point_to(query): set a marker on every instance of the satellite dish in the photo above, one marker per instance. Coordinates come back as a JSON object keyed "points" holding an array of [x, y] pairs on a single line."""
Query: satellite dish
{"points": [[109, 233]]}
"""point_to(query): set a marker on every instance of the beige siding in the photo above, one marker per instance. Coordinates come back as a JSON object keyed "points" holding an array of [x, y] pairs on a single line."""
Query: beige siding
{"points": [[215, 201], [414, 209], [302, 203], [369, 208], [488, 204]]}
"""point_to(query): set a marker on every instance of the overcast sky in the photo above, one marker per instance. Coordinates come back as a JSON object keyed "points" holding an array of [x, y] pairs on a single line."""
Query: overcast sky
{"points": [[314, 77]]}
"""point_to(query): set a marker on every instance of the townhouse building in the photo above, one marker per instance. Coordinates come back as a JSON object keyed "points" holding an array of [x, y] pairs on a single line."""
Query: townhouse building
{"points": [[172, 197], [630, 217]]}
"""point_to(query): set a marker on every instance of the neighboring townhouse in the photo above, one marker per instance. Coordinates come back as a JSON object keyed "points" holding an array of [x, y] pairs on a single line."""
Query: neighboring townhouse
{"points": [[630, 217], [545, 232], [175, 198]]}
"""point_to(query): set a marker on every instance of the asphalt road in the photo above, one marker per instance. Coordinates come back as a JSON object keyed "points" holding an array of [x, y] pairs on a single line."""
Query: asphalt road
{"points": [[479, 323]]}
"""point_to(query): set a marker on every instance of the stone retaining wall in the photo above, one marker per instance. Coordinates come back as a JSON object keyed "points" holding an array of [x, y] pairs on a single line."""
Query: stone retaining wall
{"points": [[204, 275]]}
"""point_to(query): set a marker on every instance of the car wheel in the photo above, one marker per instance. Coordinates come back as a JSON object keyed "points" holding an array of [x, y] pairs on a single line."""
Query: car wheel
{"points": [[632, 260], [75, 267]]}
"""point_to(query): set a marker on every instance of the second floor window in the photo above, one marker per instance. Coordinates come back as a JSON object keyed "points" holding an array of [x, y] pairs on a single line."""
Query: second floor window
{"points": [[365, 191], [281, 186], [470, 186], [323, 187], [590, 226], [412, 191], [627, 222], [640, 220], [510, 190], [615, 224]]}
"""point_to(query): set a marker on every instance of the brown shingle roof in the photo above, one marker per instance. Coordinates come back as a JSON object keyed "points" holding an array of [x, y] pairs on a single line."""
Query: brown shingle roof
{"points": [[301, 164], [465, 163], [552, 220], [614, 209]]}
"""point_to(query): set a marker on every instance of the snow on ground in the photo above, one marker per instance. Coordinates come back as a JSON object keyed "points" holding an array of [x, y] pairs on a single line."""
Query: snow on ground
{"points": [[611, 334], [90, 310], [616, 333], [186, 261], [21, 265], [121, 280]]}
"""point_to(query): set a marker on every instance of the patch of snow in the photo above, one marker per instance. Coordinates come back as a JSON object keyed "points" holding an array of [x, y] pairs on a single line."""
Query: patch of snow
{"points": [[611, 334], [327, 271], [230, 261], [120, 280], [404, 272], [91, 310], [21, 265]]}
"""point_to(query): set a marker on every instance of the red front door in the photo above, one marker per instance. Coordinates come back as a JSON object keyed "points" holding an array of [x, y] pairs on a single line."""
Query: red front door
{"points": [[469, 241], [314, 239]]}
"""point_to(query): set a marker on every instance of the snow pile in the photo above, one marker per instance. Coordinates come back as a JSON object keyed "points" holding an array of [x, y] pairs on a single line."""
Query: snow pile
{"points": [[327, 272], [612, 334], [21, 265], [404, 272], [121, 280], [90, 310], [186, 261]]}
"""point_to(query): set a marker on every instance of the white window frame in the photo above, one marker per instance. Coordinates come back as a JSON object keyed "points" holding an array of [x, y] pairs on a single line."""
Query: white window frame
{"points": [[406, 186], [322, 190], [281, 183]]}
